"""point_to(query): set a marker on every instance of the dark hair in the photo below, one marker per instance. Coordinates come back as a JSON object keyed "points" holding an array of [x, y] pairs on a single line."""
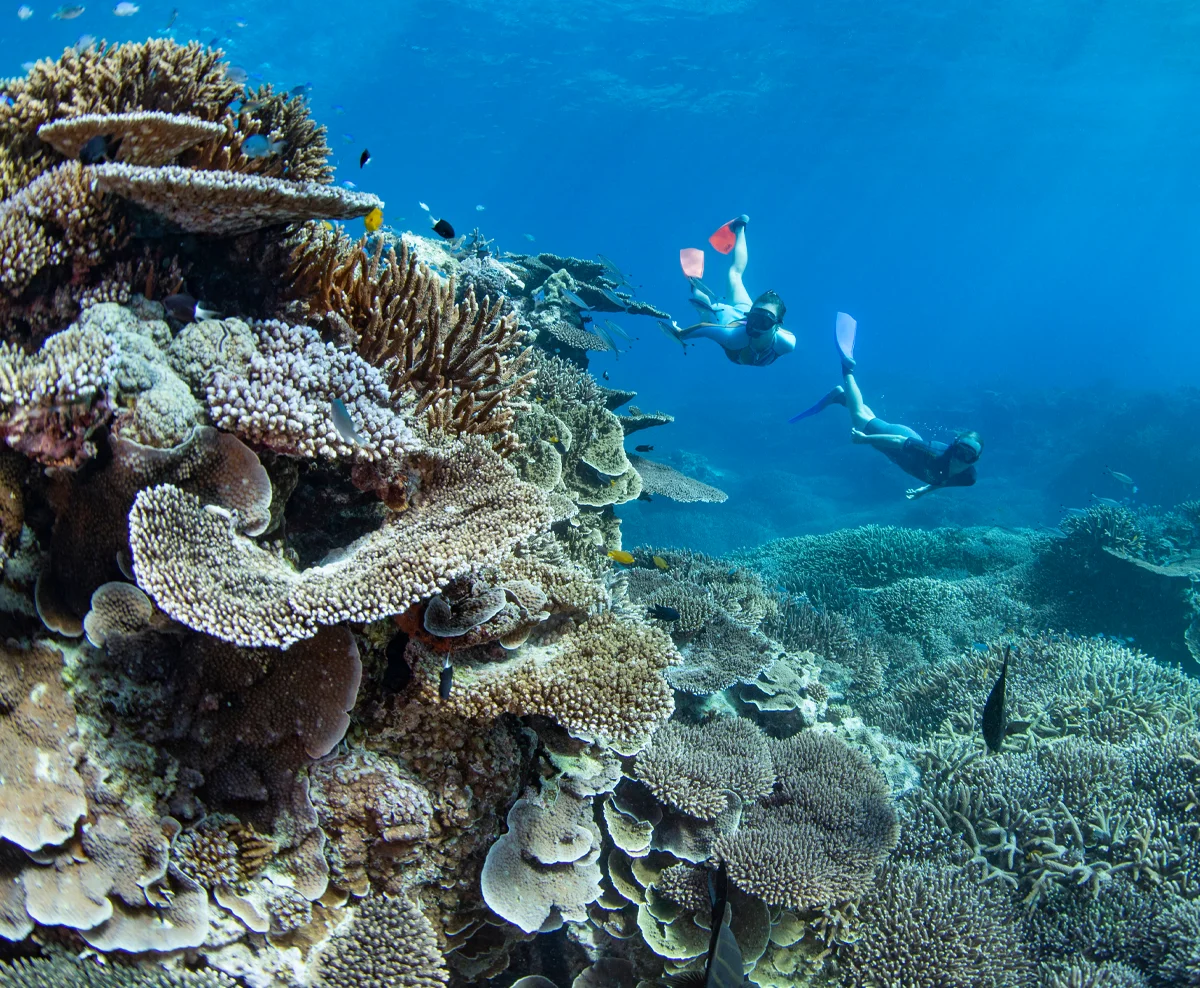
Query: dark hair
{"points": [[968, 439]]}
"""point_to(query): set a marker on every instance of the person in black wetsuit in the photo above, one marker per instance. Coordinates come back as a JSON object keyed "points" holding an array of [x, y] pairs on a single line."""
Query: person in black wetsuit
{"points": [[935, 464]]}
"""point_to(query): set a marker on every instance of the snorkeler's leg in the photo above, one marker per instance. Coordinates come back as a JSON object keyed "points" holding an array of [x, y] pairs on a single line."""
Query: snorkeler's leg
{"points": [[860, 414], [725, 335], [737, 263]]}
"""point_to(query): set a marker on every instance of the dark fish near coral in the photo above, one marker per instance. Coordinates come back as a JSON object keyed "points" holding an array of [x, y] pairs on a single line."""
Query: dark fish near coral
{"points": [[604, 374], [443, 230], [723, 966], [364, 158], [446, 680], [67, 13], [644, 449], [185, 308], [344, 423], [995, 722], [643, 496], [661, 612], [101, 148]]}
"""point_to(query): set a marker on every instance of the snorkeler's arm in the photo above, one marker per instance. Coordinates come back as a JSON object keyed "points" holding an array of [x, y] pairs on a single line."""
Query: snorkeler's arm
{"points": [[915, 492]]}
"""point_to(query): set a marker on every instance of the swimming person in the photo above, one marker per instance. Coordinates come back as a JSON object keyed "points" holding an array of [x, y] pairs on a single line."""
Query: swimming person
{"points": [[751, 332], [934, 464]]}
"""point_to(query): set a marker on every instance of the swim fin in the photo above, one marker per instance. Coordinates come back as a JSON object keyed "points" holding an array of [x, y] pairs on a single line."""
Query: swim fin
{"points": [[835, 397], [724, 237], [845, 330], [691, 259]]}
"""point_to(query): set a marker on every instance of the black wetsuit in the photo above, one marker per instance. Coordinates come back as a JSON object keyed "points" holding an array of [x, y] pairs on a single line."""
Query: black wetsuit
{"points": [[928, 461]]}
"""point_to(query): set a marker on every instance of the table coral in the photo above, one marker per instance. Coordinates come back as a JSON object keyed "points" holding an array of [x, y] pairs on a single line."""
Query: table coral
{"points": [[388, 944]]}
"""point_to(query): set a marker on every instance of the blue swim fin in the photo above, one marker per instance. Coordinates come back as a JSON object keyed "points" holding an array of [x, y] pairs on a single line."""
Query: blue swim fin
{"points": [[845, 330], [835, 397]]}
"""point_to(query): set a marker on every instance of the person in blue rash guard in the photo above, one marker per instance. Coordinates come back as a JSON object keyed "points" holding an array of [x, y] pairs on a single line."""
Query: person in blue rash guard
{"points": [[935, 464], [750, 331]]}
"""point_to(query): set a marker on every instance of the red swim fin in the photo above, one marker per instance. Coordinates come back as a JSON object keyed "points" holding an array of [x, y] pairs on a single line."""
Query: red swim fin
{"points": [[724, 239], [692, 261]]}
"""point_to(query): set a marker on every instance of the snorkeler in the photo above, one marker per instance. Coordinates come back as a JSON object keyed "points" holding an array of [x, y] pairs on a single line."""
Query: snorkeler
{"points": [[934, 464], [751, 332]]}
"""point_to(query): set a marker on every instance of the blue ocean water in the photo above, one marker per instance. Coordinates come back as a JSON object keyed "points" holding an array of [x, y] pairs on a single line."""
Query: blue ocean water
{"points": [[1003, 195]]}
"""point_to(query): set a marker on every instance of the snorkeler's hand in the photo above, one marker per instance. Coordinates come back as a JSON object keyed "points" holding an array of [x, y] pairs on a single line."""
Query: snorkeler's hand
{"points": [[915, 492], [858, 436]]}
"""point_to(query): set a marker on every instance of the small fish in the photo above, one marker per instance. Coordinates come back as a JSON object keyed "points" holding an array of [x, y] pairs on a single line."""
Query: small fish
{"points": [[348, 139], [1108, 502], [260, 146], [672, 332], [338, 108], [364, 158], [184, 308], [126, 9], [1121, 478], [604, 374], [446, 680], [617, 330], [980, 646], [236, 74], [661, 612], [480, 209], [84, 42], [24, 13], [528, 236], [660, 563], [644, 449], [643, 496], [423, 206], [994, 720], [250, 105], [609, 343], [28, 67], [621, 556], [539, 296], [300, 91], [443, 229], [553, 440], [574, 299], [174, 17], [344, 424], [350, 185], [101, 148], [613, 297], [326, 225], [67, 12], [613, 271], [373, 220]]}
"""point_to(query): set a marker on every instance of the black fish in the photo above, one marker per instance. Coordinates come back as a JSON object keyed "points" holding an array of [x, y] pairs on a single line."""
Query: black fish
{"points": [[181, 307], [723, 966], [364, 158], [644, 496], [101, 148], [604, 374], [644, 449], [171, 22], [447, 679], [443, 229], [661, 612], [994, 720]]}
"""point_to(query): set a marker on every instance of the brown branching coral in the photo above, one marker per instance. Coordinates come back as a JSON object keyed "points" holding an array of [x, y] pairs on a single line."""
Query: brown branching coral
{"points": [[459, 361], [389, 944]]}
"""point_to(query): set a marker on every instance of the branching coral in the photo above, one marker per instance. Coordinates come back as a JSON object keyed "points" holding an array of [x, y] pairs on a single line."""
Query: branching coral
{"points": [[57, 969], [925, 925], [819, 837], [389, 944], [692, 766], [459, 361]]}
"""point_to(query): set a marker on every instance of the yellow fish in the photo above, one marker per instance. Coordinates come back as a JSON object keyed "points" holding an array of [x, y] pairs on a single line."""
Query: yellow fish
{"points": [[621, 556], [373, 220], [553, 439], [661, 563], [327, 225]]}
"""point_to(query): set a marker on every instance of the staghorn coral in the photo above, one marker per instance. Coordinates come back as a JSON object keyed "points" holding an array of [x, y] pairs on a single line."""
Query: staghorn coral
{"points": [[601, 679], [388, 944], [1085, 974], [224, 203], [692, 766], [459, 361], [819, 837], [469, 510], [658, 478], [925, 925], [721, 653]]}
